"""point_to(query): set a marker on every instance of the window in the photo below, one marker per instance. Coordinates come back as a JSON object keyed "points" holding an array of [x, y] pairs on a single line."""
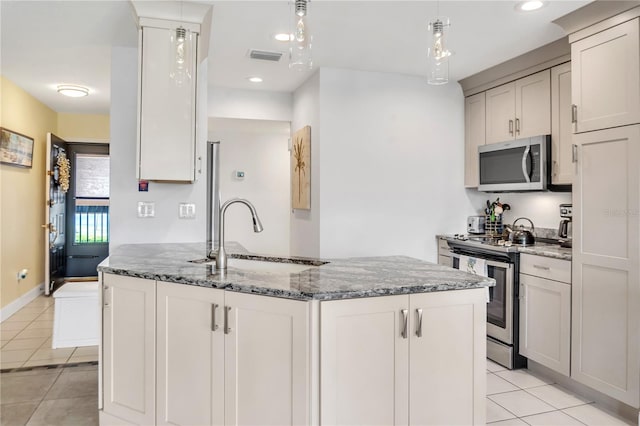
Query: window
{"points": [[91, 185]]}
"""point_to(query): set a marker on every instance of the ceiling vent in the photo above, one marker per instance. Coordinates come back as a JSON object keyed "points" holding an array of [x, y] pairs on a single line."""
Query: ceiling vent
{"points": [[263, 55]]}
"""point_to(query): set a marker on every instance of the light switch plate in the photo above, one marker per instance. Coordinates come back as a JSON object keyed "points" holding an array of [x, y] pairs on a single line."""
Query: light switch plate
{"points": [[146, 209], [187, 211]]}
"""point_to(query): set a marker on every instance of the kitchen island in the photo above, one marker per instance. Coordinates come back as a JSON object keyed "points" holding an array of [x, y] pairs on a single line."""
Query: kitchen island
{"points": [[379, 340]]}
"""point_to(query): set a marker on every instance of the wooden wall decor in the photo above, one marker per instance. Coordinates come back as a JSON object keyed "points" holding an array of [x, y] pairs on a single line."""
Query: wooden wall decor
{"points": [[301, 169]]}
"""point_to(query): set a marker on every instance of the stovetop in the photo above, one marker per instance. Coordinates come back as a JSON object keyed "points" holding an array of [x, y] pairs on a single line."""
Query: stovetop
{"points": [[488, 242]]}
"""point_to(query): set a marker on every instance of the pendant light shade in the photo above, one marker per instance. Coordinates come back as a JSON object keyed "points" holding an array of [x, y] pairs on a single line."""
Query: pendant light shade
{"points": [[437, 53], [180, 50], [301, 39]]}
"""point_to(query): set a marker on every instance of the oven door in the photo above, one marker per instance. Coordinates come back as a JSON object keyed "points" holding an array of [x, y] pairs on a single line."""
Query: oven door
{"points": [[500, 307]]}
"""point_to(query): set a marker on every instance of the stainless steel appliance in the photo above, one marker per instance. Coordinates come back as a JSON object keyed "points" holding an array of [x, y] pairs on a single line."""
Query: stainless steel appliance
{"points": [[565, 227], [503, 309], [475, 224], [520, 165]]}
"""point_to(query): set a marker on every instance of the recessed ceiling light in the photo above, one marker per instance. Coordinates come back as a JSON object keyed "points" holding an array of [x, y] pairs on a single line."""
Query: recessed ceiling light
{"points": [[72, 90], [282, 37], [255, 79], [528, 6]]}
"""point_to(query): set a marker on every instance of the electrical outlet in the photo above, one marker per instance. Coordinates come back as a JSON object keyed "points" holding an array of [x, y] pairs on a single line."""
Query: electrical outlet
{"points": [[187, 211], [146, 209]]}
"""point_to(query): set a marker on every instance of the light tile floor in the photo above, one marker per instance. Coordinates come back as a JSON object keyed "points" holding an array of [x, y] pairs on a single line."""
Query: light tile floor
{"points": [[25, 339], [520, 398]]}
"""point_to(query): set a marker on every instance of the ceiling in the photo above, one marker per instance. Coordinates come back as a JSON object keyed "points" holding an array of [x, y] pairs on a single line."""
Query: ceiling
{"points": [[45, 43]]}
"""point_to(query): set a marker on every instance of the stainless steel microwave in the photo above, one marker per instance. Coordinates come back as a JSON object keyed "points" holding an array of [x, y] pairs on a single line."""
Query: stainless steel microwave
{"points": [[519, 165]]}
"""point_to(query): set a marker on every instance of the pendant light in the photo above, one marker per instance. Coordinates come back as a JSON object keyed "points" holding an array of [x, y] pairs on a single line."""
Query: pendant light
{"points": [[180, 51], [301, 39], [437, 53]]}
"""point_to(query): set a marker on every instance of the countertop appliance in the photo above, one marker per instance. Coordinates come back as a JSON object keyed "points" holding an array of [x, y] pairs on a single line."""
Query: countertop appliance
{"points": [[503, 265], [519, 165], [475, 224], [565, 227]]}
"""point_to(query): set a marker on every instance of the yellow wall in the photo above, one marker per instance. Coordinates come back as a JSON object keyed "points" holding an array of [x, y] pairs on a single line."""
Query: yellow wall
{"points": [[22, 194], [76, 127]]}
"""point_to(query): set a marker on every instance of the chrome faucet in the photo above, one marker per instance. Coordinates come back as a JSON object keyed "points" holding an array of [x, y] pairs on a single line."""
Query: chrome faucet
{"points": [[221, 257]]}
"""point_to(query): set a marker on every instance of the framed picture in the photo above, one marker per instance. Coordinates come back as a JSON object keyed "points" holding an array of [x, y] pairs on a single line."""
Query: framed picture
{"points": [[301, 169], [15, 149]]}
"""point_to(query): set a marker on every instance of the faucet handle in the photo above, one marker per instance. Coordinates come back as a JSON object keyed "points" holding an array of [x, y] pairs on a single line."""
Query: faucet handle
{"points": [[212, 254]]}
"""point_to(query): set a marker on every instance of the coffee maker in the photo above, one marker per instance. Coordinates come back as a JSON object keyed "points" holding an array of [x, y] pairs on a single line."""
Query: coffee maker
{"points": [[564, 229]]}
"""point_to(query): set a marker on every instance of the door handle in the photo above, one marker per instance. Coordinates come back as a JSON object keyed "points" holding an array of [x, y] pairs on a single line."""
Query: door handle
{"points": [[518, 125], [214, 326], [419, 322], [227, 329], [511, 127], [405, 323]]}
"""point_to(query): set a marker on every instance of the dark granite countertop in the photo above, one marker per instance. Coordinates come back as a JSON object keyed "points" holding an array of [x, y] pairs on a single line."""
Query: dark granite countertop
{"points": [[338, 279]]}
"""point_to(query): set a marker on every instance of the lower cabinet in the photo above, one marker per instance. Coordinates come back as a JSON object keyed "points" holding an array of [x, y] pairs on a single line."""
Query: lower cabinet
{"points": [[410, 359]]}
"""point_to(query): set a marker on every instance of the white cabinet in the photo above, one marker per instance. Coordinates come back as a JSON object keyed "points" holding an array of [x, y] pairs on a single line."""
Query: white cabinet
{"points": [[519, 109], [411, 359], [266, 360], [605, 82], [545, 311], [128, 347], [167, 107], [474, 136], [561, 125], [606, 263], [190, 355]]}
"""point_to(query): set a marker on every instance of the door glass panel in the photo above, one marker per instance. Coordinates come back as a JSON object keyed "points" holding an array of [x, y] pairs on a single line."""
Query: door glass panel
{"points": [[92, 198], [92, 176], [497, 308], [503, 166]]}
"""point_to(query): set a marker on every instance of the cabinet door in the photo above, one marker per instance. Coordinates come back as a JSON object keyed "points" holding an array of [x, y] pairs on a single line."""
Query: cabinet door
{"points": [[266, 360], [167, 113], [190, 355], [364, 361], [561, 126], [129, 366], [605, 78], [501, 105], [474, 136], [448, 358], [533, 105], [545, 322], [606, 261]]}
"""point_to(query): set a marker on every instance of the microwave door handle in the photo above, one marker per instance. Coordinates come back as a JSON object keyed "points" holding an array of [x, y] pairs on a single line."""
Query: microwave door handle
{"points": [[525, 163]]}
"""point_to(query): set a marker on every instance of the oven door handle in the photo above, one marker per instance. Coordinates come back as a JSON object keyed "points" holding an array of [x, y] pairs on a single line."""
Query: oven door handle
{"points": [[507, 266]]}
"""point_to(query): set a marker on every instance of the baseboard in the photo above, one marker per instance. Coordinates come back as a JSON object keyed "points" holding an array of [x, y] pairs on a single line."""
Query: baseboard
{"points": [[21, 302]]}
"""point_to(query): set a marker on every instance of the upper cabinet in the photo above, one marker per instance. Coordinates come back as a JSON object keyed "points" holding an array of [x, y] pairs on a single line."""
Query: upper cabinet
{"points": [[562, 167], [605, 83], [519, 109], [167, 101], [474, 136]]}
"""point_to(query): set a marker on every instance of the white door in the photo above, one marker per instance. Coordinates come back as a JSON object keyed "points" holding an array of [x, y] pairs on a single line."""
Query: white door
{"points": [[474, 136], [448, 358], [266, 360], [129, 367], [190, 356], [561, 127], [533, 105], [364, 361], [605, 84], [545, 322], [606, 261], [500, 106]]}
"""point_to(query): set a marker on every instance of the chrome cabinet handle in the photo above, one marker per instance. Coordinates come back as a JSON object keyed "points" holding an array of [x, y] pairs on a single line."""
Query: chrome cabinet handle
{"points": [[574, 153], [227, 329], [574, 114], [544, 268], [419, 323], [104, 295], [517, 125], [405, 323], [214, 326], [511, 127]]}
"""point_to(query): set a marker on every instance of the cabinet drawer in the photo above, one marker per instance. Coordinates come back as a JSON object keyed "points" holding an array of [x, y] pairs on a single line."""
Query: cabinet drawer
{"points": [[443, 247], [546, 267]]}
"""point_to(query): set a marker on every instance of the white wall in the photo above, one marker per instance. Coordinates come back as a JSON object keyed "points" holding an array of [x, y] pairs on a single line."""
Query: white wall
{"points": [[259, 148], [392, 164], [305, 224], [249, 104], [126, 227]]}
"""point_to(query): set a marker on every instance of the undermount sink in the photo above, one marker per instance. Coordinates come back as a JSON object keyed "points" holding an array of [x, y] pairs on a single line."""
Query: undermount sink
{"points": [[266, 266]]}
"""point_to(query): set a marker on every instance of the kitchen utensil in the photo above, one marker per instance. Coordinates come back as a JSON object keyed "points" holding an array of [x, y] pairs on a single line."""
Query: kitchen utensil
{"points": [[521, 235]]}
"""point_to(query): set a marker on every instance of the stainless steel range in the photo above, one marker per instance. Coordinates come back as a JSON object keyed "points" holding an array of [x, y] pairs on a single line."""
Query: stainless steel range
{"points": [[502, 310]]}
